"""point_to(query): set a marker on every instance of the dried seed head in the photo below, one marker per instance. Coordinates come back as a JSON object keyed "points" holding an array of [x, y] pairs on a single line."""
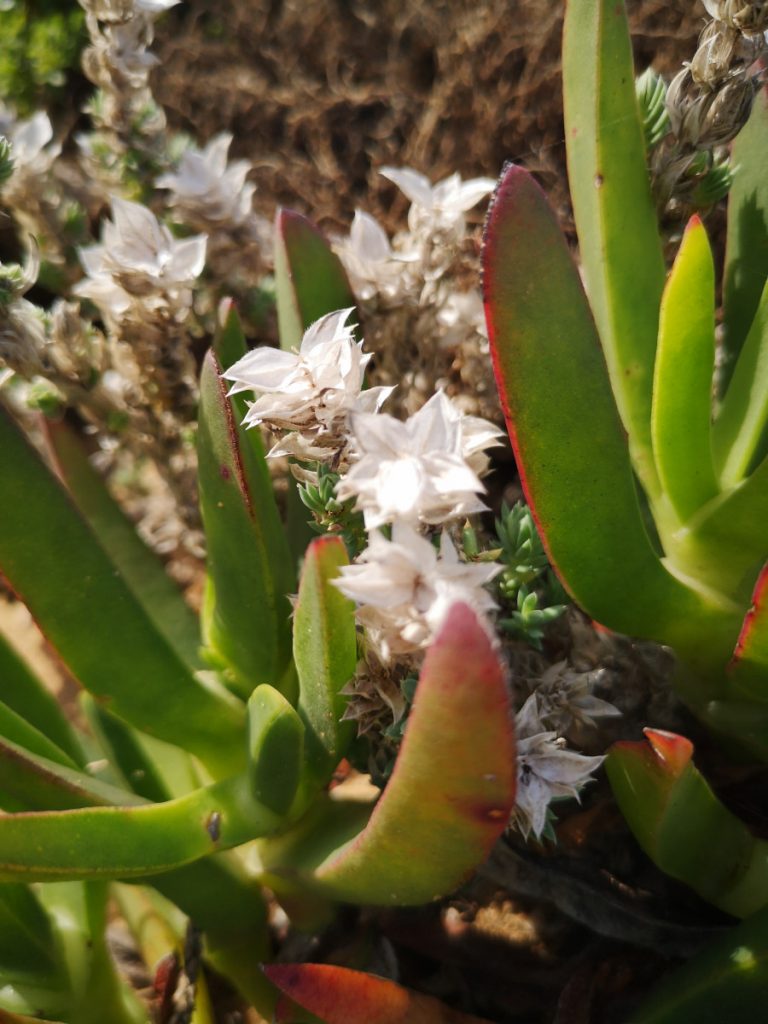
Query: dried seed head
{"points": [[703, 120], [748, 16], [718, 46]]}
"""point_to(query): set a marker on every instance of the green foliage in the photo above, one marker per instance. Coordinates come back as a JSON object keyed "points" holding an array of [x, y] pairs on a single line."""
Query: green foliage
{"points": [[40, 42], [331, 515], [611, 409], [651, 93]]}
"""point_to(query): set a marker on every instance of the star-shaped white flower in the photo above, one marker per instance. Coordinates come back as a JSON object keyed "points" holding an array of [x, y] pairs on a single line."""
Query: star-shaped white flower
{"points": [[137, 256], [404, 588], [443, 205], [204, 183], [312, 390], [423, 469], [30, 138], [545, 769], [369, 260]]}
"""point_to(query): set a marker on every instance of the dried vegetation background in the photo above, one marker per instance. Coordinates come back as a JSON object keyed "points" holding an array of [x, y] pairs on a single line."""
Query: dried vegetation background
{"points": [[320, 93]]}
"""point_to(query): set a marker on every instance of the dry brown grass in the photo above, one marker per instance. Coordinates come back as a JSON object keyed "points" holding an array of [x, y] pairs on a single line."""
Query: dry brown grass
{"points": [[320, 93]]}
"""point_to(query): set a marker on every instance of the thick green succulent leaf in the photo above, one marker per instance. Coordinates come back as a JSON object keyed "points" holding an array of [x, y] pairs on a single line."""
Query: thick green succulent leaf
{"points": [[123, 842], [453, 786], [309, 277], [727, 981], [248, 561], [682, 825], [90, 615], [27, 944], [746, 265], [160, 773], [339, 995], [682, 383], [570, 447], [35, 782], [16, 729], [6, 1017], [619, 241], [740, 428], [97, 993], [729, 534], [325, 653], [748, 669], [275, 748], [140, 568], [26, 694]]}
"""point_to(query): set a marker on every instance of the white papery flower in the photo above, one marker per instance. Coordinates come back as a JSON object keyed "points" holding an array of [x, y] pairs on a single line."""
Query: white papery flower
{"points": [[30, 138], [441, 206], [311, 391], [405, 588], [545, 769], [138, 256], [564, 697], [124, 48], [204, 183], [373, 267], [422, 469]]}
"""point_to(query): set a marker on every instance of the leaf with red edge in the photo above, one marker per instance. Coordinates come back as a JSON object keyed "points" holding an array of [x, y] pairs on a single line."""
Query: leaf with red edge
{"points": [[339, 995], [570, 447], [748, 669], [451, 792], [309, 278], [682, 825]]}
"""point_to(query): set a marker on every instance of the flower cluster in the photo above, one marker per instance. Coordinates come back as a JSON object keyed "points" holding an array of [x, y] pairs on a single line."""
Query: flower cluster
{"points": [[411, 481], [417, 294], [307, 396]]}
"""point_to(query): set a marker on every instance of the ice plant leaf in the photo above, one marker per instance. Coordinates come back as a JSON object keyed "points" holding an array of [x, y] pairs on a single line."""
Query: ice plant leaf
{"points": [[618, 238], [35, 781], [730, 531], [748, 670], [159, 772], [248, 561], [16, 729], [682, 382], [309, 277], [140, 568], [26, 941], [130, 841], [275, 747], [339, 995], [325, 652], [683, 827], [90, 615], [27, 695], [453, 785], [727, 980], [740, 428], [551, 375], [746, 267]]}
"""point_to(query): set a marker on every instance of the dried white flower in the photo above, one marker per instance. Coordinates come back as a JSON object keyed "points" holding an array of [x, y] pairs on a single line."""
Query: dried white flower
{"points": [[206, 185], [139, 257], [545, 769], [565, 697], [30, 138], [423, 469], [310, 392], [373, 267], [441, 206], [405, 588]]}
